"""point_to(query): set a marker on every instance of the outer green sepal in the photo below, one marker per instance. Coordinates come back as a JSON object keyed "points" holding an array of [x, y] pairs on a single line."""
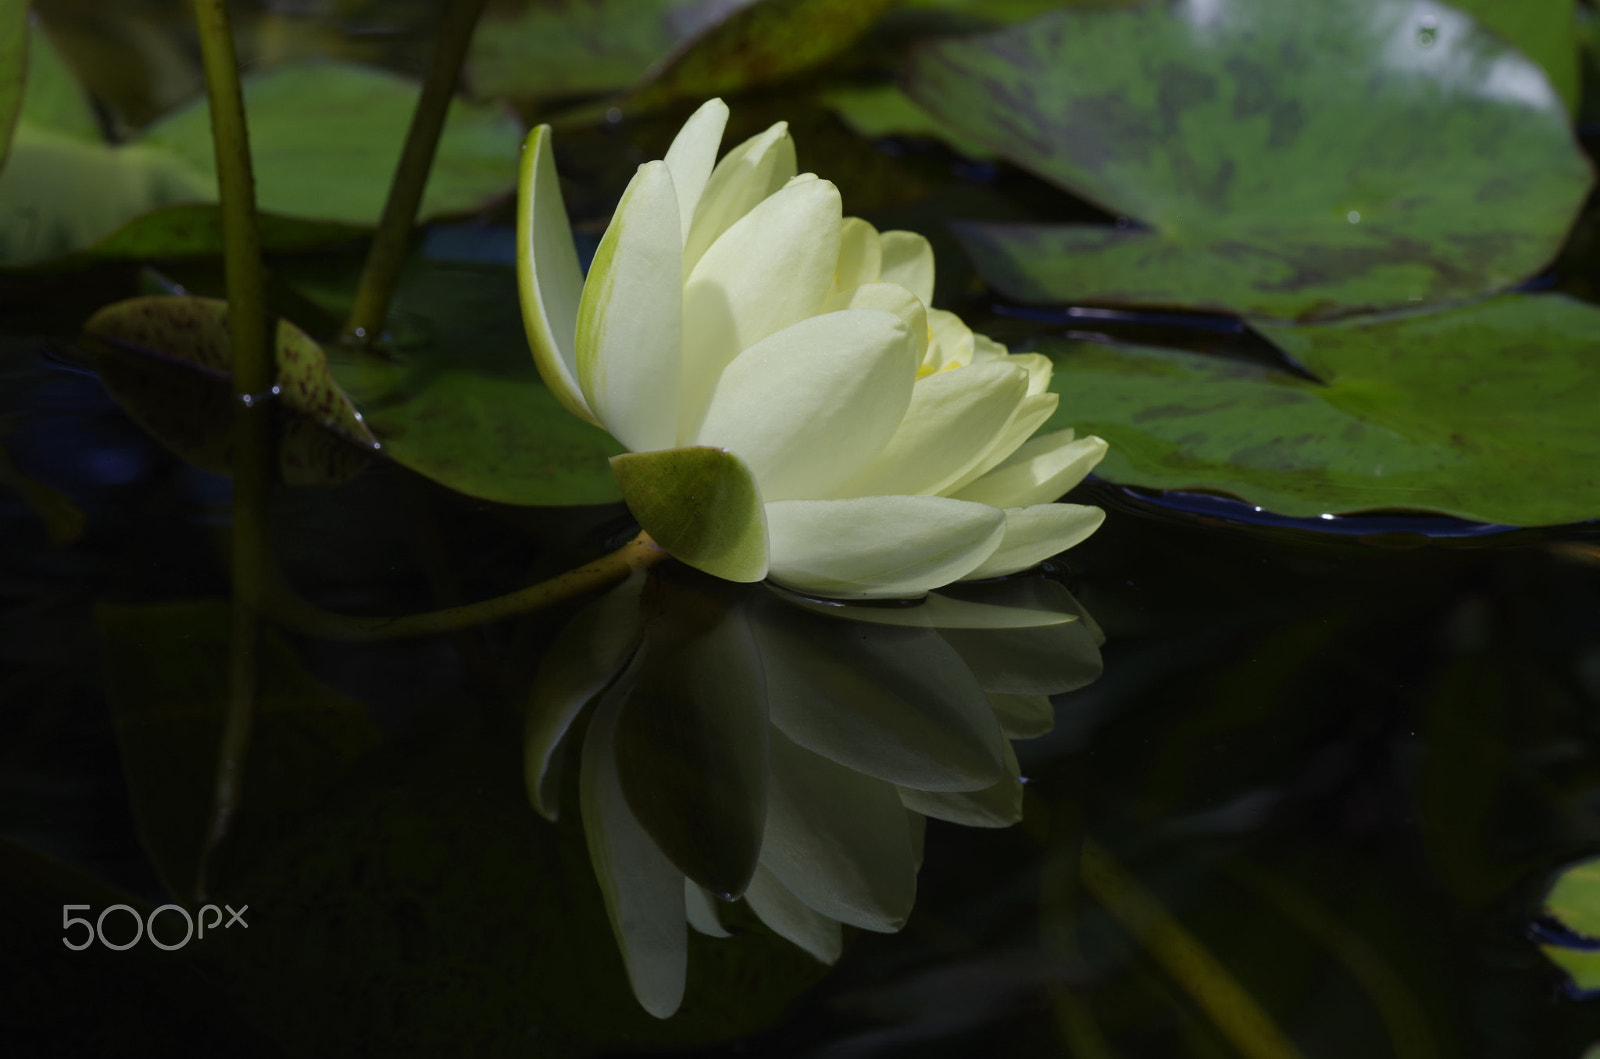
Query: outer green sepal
{"points": [[700, 504]]}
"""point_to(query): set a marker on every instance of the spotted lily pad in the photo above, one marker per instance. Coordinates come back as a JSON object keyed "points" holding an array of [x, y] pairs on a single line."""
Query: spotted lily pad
{"points": [[1485, 412], [1287, 158], [168, 361]]}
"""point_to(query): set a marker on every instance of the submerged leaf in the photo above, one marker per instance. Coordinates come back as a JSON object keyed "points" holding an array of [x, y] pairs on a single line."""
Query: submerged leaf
{"points": [[1290, 158], [1484, 412]]}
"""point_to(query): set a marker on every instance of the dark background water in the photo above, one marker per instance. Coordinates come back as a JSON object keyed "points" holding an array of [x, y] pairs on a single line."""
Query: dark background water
{"points": [[1347, 757]]}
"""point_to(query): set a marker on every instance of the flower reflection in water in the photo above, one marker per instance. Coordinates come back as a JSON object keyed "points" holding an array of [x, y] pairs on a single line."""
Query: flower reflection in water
{"points": [[747, 743]]}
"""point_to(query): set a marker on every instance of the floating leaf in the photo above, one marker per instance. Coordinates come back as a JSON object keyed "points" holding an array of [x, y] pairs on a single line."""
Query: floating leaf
{"points": [[1544, 30], [325, 139], [1486, 412], [756, 44], [555, 48], [1288, 158], [1574, 903], [457, 397], [885, 110], [13, 66], [167, 360]]}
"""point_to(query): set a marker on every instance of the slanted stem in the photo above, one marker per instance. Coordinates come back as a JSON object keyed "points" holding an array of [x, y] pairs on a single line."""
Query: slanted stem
{"points": [[296, 614], [388, 251]]}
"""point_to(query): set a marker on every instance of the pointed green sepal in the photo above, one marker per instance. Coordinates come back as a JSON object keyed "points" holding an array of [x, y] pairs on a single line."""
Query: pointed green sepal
{"points": [[701, 505]]}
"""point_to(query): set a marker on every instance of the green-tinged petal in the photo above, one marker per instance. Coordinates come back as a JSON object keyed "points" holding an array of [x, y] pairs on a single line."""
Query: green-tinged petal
{"points": [[895, 703], [643, 891], [771, 268], [746, 175], [1034, 534], [591, 649], [792, 919], [908, 261], [838, 840], [986, 348], [860, 256], [1049, 660], [691, 738], [933, 611], [1023, 716], [548, 275], [952, 342], [1038, 366], [700, 504], [807, 408], [1042, 470], [878, 546], [630, 320], [890, 298], [1032, 413], [702, 910], [999, 805], [955, 418], [692, 155]]}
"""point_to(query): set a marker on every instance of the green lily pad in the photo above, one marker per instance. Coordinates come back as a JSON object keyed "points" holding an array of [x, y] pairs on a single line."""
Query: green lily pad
{"points": [[553, 48], [1485, 412], [325, 139], [1574, 902], [456, 396], [1544, 30], [168, 361], [756, 44], [13, 66], [885, 110], [1287, 158], [702, 505]]}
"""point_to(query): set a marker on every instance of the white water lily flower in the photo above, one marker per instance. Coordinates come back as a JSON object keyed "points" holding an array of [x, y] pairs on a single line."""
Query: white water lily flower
{"points": [[752, 745], [793, 406]]}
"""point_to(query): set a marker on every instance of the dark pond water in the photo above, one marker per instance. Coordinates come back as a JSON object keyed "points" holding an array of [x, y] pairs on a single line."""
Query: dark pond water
{"points": [[1310, 807]]}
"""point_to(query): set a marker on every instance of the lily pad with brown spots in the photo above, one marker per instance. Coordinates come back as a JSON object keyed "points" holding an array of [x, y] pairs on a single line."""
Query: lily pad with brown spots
{"points": [[1286, 158], [168, 361], [1486, 412]]}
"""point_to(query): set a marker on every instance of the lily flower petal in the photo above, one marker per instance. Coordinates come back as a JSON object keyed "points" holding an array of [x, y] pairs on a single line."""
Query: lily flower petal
{"points": [[899, 704], [999, 805], [701, 909], [771, 268], [693, 154], [749, 173], [630, 320], [1023, 716], [1034, 534], [878, 546], [1032, 413], [954, 419], [908, 261], [860, 255], [586, 655], [791, 918], [808, 407], [838, 840], [892, 298], [548, 275], [643, 891], [1039, 471]]}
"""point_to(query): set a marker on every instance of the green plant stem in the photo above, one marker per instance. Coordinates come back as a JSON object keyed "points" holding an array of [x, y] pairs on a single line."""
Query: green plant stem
{"points": [[1231, 1008], [296, 614], [254, 372], [388, 250]]}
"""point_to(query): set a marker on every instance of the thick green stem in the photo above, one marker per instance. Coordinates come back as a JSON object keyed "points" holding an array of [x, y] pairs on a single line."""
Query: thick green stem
{"points": [[254, 373], [295, 613], [388, 249]]}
